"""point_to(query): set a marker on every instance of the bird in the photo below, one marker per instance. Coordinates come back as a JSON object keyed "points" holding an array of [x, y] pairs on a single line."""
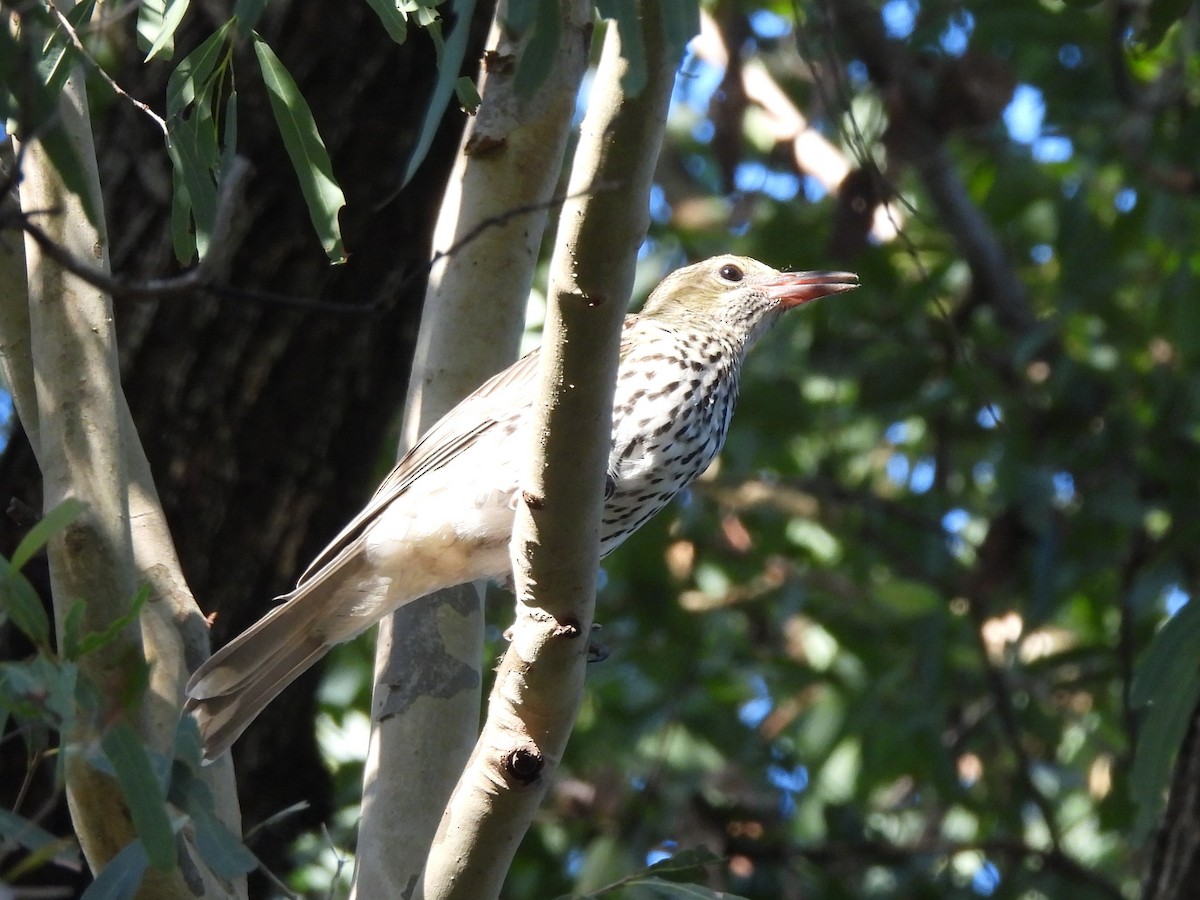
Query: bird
{"points": [[444, 515]]}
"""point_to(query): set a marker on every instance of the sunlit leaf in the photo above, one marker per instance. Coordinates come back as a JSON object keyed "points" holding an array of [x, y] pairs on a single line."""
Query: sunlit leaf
{"points": [[169, 19], [306, 150], [395, 21]]}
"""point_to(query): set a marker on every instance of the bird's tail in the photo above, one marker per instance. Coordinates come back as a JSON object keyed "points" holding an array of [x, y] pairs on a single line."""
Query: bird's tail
{"points": [[239, 680]]}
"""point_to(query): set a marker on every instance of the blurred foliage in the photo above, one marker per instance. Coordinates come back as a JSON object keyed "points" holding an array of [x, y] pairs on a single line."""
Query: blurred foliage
{"points": [[925, 630], [886, 648]]}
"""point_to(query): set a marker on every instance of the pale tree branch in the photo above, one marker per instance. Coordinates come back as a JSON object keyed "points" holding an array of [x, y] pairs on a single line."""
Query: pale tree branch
{"points": [[812, 152], [555, 547], [425, 708], [60, 354]]}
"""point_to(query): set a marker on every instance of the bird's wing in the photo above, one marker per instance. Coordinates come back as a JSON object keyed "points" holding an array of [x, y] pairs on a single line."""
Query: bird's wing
{"points": [[492, 402]]}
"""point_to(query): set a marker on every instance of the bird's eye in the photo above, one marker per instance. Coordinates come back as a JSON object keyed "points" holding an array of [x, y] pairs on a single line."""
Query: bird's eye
{"points": [[730, 273]]}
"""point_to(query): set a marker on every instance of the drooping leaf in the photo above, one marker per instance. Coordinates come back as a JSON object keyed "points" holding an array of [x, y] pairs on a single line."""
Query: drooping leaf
{"points": [[520, 15], [143, 792], [21, 603], [450, 60], [229, 133], [225, 854], [32, 88], [538, 54], [59, 54], [169, 17], [119, 879], [192, 148], [307, 151], [681, 23], [190, 78], [395, 21], [19, 830], [626, 15], [1168, 681], [468, 95]]}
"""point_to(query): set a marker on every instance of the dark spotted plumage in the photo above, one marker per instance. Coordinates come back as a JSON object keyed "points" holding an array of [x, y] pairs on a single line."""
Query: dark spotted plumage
{"points": [[444, 515]]}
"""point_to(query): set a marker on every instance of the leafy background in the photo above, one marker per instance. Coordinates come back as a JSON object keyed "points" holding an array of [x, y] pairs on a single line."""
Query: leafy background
{"points": [[926, 630]]}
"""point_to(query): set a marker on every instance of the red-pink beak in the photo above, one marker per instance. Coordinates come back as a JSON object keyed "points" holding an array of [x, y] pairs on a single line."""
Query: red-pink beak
{"points": [[794, 288]]}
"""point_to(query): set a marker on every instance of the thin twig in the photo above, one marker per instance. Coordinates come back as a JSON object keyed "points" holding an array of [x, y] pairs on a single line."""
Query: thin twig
{"points": [[66, 25], [206, 278]]}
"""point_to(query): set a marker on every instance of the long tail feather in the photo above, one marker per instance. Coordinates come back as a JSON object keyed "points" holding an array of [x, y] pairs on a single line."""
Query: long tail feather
{"points": [[239, 680]]}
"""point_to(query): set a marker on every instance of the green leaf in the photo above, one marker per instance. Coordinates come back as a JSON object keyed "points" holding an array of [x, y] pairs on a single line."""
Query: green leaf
{"points": [[229, 133], [225, 854], [1172, 650], [670, 890], [189, 81], [681, 23], [192, 148], [46, 527], [119, 880], [537, 56], [41, 689], [306, 150], [18, 830], [182, 241], [394, 21], [59, 55], [450, 59], [520, 15], [1168, 680], [23, 606], [149, 23], [633, 43], [143, 793], [684, 861], [97, 639], [169, 17], [468, 95]]}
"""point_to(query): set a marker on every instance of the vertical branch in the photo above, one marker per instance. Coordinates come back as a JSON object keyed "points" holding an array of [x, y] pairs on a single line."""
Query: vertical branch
{"points": [[60, 353], [555, 543], [425, 708]]}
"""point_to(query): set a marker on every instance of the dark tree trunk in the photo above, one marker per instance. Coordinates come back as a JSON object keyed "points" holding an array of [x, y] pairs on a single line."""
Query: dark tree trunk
{"points": [[268, 426]]}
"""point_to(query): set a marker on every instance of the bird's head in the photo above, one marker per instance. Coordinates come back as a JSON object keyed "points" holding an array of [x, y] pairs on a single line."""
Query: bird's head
{"points": [[738, 295]]}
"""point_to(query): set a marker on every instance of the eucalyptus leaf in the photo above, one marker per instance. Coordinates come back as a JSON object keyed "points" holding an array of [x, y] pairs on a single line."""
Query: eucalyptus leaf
{"points": [[537, 56], [23, 606], [164, 42], [45, 528], [143, 792], [306, 150], [450, 60], [119, 880], [395, 21]]}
